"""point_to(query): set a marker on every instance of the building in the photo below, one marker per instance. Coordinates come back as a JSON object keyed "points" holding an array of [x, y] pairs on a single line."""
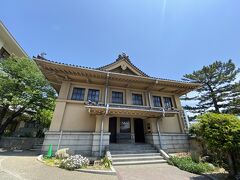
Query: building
{"points": [[8, 44], [114, 104]]}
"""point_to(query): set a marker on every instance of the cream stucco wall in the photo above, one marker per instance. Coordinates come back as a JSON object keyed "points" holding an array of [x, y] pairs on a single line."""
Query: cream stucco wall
{"points": [[170, 125], [77, 118], [71, 115]]}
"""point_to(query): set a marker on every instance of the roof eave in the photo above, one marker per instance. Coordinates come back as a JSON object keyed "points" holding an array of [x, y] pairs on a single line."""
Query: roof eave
{"points": [[188, 85]]}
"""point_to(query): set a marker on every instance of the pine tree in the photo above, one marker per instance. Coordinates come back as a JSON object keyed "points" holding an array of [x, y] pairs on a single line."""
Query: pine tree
{"points": [[219, 89]]}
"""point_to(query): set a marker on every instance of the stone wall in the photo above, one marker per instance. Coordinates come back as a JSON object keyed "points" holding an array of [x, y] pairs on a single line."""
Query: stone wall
{"points": [[84, 143], [19, 142], [171, 143]]}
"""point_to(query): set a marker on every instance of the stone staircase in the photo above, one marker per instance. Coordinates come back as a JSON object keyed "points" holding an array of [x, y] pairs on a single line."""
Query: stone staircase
{"points": [[133, 154]]}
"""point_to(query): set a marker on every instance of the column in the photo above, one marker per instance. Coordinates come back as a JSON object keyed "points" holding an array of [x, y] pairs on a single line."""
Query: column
{"points": [[106, 124], [64, 91], [98, 123], [58, 115], [128, 97], [132, 131]]}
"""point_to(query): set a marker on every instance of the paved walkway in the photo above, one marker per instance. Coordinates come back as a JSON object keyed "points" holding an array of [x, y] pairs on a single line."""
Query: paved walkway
{"points": [[155, 172], [17, 167], [24, 166]]}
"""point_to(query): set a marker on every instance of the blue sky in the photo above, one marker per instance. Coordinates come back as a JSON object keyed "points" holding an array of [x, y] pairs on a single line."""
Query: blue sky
{"points": [[164, 38]]}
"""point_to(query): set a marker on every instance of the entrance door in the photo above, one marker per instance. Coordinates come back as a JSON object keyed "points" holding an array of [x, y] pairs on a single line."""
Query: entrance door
{"points": [[139, 131], [113, 129]]}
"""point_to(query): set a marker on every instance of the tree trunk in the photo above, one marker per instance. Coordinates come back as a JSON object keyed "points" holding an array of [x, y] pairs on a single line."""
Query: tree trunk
{"points": [[3, 113], [214, 99], [10, 120]]}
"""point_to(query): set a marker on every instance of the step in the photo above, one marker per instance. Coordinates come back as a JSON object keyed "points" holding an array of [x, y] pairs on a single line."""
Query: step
{"points": [[133, 152], [35, 149], [139, 158], [135, 155], [131, 148], [139, 162], [131, 145]]}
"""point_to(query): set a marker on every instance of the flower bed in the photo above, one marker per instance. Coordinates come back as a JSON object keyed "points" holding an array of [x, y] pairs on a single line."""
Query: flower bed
{"points": [[80, 163], [187, 164]]}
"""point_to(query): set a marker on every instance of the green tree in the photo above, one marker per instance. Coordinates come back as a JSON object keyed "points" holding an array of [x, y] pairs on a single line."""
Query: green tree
{"points": [[234, 105], [221, 133], [22, 88], [218, 89]]}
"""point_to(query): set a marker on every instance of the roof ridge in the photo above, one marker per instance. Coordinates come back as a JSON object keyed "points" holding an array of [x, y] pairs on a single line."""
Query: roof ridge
{"points": [[123, 56]]}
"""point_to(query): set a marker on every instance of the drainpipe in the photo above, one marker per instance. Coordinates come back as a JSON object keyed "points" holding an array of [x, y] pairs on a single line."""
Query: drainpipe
{"points": [[102, 121], [101, 135], [59, 140], [159, 134], [106, 90]]}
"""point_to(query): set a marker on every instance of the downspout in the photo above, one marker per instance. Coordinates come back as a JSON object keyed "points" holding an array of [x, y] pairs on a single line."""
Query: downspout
{"points": [[159, 134], [107, 107], [158, 129], [59, 140]]}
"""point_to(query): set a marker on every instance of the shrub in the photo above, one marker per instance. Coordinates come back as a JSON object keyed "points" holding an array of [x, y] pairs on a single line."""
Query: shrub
{"points": [[221, 133], [187, 164], [74, 162], [106, 162]]}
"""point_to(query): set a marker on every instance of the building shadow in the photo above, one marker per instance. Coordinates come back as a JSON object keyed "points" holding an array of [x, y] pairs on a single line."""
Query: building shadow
{"points": [[22, 153]]}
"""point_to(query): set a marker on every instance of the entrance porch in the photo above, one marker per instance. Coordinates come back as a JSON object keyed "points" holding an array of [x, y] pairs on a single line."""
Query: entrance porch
{"points": [[126, 130]]}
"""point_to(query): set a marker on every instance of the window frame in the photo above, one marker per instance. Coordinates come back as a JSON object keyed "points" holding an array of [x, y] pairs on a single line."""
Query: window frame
{"points": [[171, 102], [160, 98], [83, 94], [128, 130], [98, 97], [140, 94], [120, 92]]}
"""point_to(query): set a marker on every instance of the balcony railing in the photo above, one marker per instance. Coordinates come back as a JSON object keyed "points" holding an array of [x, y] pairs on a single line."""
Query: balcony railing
{"points": [[133, 107]]}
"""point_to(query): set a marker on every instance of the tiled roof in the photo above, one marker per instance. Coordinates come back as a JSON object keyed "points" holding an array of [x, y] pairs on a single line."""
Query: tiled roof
{"points": [[102, 69], [123, 56]]}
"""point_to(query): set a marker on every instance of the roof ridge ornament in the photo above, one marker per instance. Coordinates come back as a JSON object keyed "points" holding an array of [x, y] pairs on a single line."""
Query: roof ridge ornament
{"points": [[123, 56]]}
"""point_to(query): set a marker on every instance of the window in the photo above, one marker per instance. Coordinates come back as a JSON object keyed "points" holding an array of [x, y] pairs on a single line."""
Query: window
{"points": [[4, 53], [167, 102], [125, 125], [157, 101], [93, 95], [78, 94], [117, 97], [137, 99]]}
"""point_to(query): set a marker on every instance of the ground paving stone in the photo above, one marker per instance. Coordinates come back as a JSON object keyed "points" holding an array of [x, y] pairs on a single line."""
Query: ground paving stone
{"points": [[155, 172], [24, 166]]}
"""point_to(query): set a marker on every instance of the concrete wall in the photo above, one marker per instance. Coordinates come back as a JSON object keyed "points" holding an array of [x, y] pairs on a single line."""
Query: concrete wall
{"points": [[86, 144], [19, 142], [171, 143]]}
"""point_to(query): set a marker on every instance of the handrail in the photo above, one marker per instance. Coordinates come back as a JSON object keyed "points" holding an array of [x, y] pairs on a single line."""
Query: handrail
{"points": [[126, 106]]}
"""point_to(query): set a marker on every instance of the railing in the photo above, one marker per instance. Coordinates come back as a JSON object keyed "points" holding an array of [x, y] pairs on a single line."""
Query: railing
{"points": [[126, 106]]}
